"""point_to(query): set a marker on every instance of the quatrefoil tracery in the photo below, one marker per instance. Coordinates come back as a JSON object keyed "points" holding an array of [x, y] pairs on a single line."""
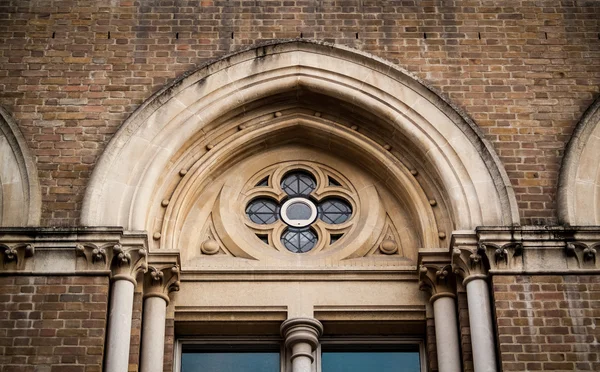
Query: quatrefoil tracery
{"points": [[300, 210]]}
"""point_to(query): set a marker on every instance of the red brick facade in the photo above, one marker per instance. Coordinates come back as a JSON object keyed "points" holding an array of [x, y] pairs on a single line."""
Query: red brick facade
{"points": [[548, 323], [73, 71], [51, 323]]}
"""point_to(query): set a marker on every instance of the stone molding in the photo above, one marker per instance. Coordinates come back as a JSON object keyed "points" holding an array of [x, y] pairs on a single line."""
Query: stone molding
{"points": [[74, 251], [435, 274], [163, 275], [160, 186], [301, 330], [579, 179], [20, 194], [529, 249]]}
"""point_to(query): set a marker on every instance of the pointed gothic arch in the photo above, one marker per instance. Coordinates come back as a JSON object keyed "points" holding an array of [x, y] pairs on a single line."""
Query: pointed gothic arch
{"points": [[579, 180], [348, 103], [20, 198]]}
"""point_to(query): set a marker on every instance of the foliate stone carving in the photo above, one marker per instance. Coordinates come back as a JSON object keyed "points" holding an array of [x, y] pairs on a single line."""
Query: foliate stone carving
{"points": [[159, 281], [469, 263], [127, 262], [14, 256], [92, 253], [301, 330], [584, 255], [541, 249], [437, 279]]}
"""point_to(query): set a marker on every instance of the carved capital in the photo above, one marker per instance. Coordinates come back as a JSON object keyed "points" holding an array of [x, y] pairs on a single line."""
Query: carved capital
{"points": [[435, 273], [127, 262], [301, 330], [469, 263], [14, 256], [437, 280], [160, 281]]}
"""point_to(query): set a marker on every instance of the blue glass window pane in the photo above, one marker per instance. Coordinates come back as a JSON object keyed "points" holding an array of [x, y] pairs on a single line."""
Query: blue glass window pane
{"points": [[230, 362], [372, 361]]}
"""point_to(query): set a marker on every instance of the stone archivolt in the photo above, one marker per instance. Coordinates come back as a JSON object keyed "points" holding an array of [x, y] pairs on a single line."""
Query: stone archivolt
{"points": [[180, 162], [579, 181], [20, 197]]}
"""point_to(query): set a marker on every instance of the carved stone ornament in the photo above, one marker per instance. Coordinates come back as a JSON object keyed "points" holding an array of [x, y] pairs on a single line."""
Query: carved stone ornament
{"points": [[14, 256], [127, 262], [584, 255], [437, 279], [161, 280], [469, 263], [292, 203]]}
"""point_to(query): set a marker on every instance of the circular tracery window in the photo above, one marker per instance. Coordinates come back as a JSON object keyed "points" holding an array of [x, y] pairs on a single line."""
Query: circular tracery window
{"points": [[299, 210]]}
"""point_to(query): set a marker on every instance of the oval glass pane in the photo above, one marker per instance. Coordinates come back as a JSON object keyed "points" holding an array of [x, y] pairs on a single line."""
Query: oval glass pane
{"points": [[262, 211], [298, 183], [298, 211], [299, 240], [335, 211]]}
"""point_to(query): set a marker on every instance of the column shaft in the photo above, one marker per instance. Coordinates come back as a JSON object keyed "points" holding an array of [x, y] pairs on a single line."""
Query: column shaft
{"points": [[119, 326], [301, 362], [153, 334], [446, 335], [480, 320]]}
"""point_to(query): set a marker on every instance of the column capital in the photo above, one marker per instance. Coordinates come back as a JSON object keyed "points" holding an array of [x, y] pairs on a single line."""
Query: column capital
{"points": [[302, 330], [435, 274], [163, 274], [159, 281], [125, 261], [470, 263]]}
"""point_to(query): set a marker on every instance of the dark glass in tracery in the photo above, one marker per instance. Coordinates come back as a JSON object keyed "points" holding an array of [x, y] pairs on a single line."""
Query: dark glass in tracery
{"points": [[299, 240], [334, 211], [298, 183], [263, 211]]}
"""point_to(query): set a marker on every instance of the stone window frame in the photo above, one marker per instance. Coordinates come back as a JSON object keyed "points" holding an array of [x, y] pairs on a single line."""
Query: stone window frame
{"points": [[371, 340], [284, 355]]}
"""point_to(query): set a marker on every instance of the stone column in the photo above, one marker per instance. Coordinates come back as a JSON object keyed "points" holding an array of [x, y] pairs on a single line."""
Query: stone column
{"points": [[437, 279], [158, 283], [470, 265], [125, 263], [302, 339]]}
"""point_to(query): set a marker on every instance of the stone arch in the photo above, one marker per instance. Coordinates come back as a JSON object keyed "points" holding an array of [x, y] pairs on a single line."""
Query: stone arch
{"points": [[579, 180], [311, 93], [20, 197]]}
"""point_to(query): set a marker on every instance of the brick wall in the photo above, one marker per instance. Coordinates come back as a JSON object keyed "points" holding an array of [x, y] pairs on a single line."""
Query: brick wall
{"points": [[431, 346], [169, 344], [135, 340], [548, 323], [52, 324], [72, 71], [465, 330]]}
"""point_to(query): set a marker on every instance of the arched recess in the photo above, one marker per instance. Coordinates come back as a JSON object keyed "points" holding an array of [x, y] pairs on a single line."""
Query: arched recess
{"points": [[346, 103], [579, 180], [20, 198]]}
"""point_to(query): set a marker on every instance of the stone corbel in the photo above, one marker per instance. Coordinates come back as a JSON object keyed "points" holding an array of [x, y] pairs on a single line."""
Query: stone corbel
{"points": [[127, 261], [582, 254], [13, 257]]}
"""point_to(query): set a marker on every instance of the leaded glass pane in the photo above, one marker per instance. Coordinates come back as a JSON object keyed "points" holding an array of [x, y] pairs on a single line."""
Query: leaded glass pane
{"points": [[263, 211], [298, 183], [299, 240], [335, 211]]}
